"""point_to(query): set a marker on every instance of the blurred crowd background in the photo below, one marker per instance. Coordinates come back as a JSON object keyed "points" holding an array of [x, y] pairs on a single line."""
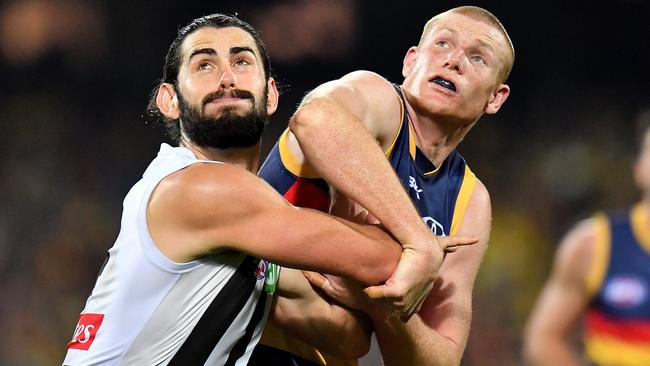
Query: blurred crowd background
{"points": [[76, 77]]}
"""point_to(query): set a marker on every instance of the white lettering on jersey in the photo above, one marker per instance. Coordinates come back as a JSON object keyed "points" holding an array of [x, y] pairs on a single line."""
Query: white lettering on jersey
{"points": [[413, 184]]}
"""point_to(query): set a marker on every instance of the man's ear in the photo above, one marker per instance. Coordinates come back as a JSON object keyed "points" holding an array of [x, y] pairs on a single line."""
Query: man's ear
{"points": [[167, 101], [409, 61], [497, 99], [272, 97]]}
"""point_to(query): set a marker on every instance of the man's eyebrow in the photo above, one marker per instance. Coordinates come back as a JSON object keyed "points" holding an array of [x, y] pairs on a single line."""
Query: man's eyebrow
{"points": [[212, 52], [203, 51], [236, 50], [481, 45]]}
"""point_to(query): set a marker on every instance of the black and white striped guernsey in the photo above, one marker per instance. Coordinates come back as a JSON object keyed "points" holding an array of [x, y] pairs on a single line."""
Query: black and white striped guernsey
{"points": [[147, 310]]}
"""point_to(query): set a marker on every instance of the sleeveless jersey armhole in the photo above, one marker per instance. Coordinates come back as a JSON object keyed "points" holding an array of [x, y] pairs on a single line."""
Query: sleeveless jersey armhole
{"points": [[151, 250], [401, 123], [302, 170], [640, 221], [600, 261], [462, 200]]}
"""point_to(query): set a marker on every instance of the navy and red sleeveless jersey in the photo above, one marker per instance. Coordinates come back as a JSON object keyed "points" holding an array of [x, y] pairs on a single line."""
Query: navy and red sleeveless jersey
{"points": [[617, 324], [441, 195]]}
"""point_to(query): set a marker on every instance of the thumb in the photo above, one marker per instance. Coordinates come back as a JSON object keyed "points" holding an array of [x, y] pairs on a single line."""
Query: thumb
{"points": [[375, 292], [316, 279]]}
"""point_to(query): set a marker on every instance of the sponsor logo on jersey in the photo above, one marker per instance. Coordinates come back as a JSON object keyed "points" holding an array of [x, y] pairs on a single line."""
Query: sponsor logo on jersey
{"points": [[261, 269], [625, 291], [84, 333], [434, 226]]}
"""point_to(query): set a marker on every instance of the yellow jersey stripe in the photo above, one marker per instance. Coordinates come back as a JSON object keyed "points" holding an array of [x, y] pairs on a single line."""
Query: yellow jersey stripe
{"points": [[610, 351], [601, 255], [401, 122], [640, 219], [466, 189], [303, 170]]}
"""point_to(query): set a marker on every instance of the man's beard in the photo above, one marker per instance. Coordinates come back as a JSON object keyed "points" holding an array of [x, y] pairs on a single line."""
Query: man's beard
{"points": [[228, 129]]}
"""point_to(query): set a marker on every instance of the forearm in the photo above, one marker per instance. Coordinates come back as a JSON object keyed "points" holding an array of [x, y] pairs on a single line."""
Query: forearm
{"points": [[348, 338], [368, 178], [307, 315], [414, 343], [319, 243]]}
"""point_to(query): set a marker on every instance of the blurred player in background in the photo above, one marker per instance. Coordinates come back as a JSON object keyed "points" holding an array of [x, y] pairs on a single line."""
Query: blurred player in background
{"points": [[601, 275]]}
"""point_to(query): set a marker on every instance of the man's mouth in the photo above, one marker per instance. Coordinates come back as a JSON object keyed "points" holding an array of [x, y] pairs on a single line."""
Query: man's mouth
{"points": [[444, 83], [228, 96], [225, 100]]}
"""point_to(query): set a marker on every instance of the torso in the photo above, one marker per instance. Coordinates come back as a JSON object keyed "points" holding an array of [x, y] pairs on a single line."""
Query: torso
{"points": [[618, 317], [147, 309], [441, 195]]}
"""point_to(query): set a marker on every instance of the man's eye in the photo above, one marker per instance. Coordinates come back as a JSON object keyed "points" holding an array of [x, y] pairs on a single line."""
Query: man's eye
{"points": [[203, 65], [442, 44], [241, 62], [478, 58]]}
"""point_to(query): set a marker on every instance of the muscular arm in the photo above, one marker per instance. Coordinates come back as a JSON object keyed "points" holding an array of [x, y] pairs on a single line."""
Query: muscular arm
{"points": [[437, 335], [357, 116], [562, 301], [206, 208], [307, 315]]}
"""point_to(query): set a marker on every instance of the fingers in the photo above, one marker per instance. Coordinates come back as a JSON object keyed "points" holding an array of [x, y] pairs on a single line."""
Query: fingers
{"points": [[392, 300], [316, 279], [375, 292], [450, 243]]}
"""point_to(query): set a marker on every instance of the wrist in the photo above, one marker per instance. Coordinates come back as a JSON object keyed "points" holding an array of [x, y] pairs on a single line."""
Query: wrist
{"points": [[378, 312]]}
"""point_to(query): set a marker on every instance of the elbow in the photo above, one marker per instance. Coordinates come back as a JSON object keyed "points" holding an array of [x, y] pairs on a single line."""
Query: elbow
{"points": [[531, 355], [298, 122], [379, 267], [375, 272], [534, 350], [311, 114]]}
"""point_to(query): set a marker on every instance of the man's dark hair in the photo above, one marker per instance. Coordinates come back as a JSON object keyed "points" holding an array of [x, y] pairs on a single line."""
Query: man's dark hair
{"points": [[173, 62]]}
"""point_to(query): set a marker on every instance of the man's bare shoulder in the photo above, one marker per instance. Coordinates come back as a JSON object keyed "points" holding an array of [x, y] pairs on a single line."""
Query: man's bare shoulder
{"points": [[576, 252], [202, 206], [204, 193], [354, 87], [202, 184], [480, 199], [383, 108], [369, 79]]}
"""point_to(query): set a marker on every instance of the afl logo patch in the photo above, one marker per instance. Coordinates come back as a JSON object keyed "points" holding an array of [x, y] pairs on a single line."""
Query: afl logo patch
{"points": [[625, 292], [261, 269], [435, 227]]}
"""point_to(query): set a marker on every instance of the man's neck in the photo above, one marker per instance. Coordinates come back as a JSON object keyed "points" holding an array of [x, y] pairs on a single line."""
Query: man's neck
{"points": [[435, 136], [245, 157]]}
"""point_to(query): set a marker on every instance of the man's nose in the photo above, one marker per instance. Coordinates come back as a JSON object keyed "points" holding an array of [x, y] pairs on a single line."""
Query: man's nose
{"points": [[227, 79], [453, 60]]}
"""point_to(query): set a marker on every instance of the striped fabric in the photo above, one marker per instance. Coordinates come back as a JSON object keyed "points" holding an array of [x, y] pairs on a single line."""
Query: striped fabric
{"points": [[617, 323]]}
